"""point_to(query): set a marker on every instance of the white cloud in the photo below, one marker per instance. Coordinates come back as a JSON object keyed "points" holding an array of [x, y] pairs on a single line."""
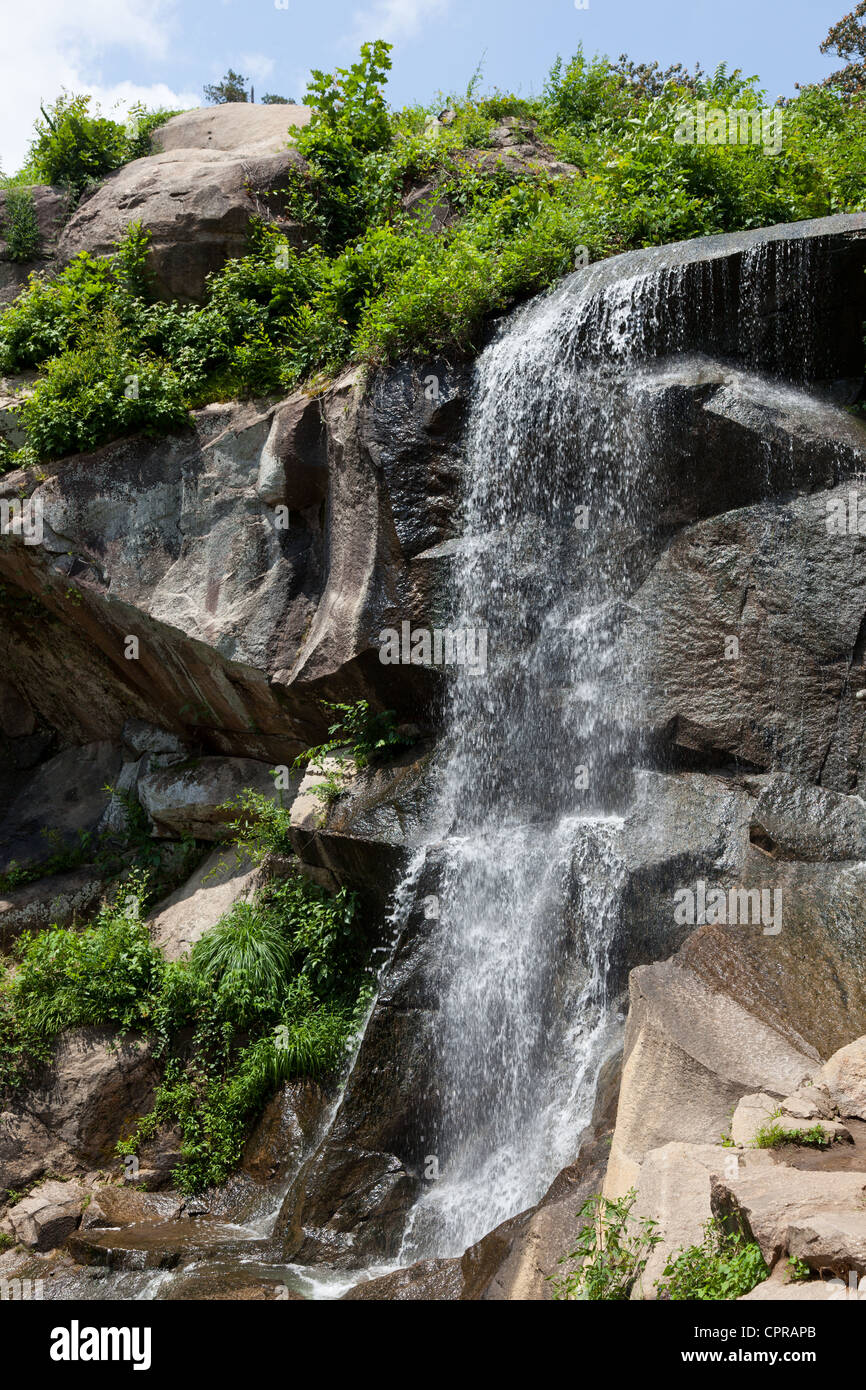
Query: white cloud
{"points": [[396, 19], [256, 66], [62, 45]]}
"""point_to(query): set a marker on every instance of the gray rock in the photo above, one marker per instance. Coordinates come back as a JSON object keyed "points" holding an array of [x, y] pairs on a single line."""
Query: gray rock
{"points": [[71, 1117], [817, 1217], [193, 799], [46, 1217], [222, 879], [844, 1075], [196, 199]]}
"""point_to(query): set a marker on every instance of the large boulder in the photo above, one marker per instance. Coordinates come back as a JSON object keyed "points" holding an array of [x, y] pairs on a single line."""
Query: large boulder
{"points": [[71, 1117], [216, 169], [201, 799], [224, 878], [690, 1054], [816, 1217]]}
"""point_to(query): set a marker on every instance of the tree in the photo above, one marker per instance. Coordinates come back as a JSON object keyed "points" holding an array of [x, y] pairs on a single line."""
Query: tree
{"points": [[269, 99], [233, 87], [848, 40]]}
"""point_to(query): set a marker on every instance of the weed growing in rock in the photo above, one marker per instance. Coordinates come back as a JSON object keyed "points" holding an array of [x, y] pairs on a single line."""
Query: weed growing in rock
{"points": [[772, 1135], [724, 1266], [273, 991]]}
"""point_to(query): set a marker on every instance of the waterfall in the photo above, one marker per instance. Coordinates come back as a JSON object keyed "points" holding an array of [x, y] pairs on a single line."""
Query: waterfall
{"points": [[568, 501], [532, 774]]}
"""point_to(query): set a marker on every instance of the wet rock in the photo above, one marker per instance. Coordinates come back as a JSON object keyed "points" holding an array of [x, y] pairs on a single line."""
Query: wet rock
{"points": [[288, 1124], [43, 1219], [428, 1280], [150, 1244]]}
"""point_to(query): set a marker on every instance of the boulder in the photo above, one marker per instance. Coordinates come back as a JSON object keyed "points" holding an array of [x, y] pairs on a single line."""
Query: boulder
{"points": [[65, 796], [427, 1280], [284, 1131], [58, 900], [690, 1054], [71, 1117], [761, 1112], [844, 1075], [193, 799], [46, 1216], [674, 1190], [816, 1217], [752, 1113], [196, 199], [224, 878]]}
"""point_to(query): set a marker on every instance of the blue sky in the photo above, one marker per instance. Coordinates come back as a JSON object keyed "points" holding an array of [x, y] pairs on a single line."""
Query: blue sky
{"points": [[161, 51]]}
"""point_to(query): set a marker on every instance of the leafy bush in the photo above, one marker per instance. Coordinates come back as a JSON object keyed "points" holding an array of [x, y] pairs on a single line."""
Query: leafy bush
{"points": [[73, 148], [376, 281], [772, 1135], [273, 991], [61, 979], [724, 1266], [20, 225], [611, 1253]]}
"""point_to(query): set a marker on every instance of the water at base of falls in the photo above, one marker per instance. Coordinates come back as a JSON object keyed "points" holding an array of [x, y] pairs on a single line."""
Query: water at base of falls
{"points": [[524, 1022]]}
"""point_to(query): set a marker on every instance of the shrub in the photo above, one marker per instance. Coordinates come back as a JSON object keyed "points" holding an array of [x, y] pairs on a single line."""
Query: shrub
{"points": [[100, 390], [611, 1253], [724, 1266], [273, 991], [108, 974], [21, 228], [73, 148]]}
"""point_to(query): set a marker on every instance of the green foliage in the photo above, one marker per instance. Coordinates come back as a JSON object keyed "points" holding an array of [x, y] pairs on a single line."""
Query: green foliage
{"points": [[73, 148], [798, 1271], [772, 1135], [847, 38], [107, 974], [261, 826], [350, 103], [100, 390], [271, 99], [611, 1253], [367, 735], [273, 991], [376, 280], [724, 1266], [141, 123], [20, 226]]}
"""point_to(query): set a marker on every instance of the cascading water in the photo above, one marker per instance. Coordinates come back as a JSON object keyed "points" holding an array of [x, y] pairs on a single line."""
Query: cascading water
{"points": [[567, 504], [531, 780]]}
